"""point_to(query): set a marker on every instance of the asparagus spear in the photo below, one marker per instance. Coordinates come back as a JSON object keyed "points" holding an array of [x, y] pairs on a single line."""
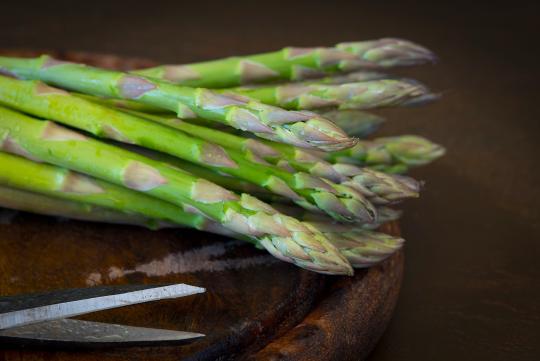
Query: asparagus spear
{"points": [[55, 191], [50, 206], [389, 154], [354, 245], [354, 122], [21, 173], [361, 95], [126, 104], [226, 181], [294, 63], [379, 187], [361, 247], [282, 236], [354, 77], [386, 214], [253, 149], [39, 99], [299, 128]]}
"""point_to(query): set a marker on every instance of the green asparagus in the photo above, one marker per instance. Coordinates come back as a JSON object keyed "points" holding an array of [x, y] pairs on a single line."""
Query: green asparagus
{"points": [[299, 128], [386, 214], [355, 123], [50, 206], [282, 236], [389, 154], [18, 172], [355, 77], [36, 98], [361, 95], [254, 150], [357, 246], [382, 188], [294, 63]]}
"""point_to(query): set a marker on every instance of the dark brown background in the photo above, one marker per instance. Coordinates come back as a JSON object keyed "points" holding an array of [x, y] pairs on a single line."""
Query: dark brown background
{"points": [[471, 288]]}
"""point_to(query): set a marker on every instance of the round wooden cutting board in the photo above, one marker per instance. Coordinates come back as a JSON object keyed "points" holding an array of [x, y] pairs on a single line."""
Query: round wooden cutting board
{"points": [[255, 307]]}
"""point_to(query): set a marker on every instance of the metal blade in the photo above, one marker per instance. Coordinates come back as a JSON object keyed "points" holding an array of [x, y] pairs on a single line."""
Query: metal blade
{"points": [[29, 309], [78, 333]]}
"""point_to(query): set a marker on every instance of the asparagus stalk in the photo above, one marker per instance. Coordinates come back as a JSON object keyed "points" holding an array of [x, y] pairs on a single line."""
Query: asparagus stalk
{"points": [[361, 95], [294, 64], [284, 237], [31, 202], [354, 245], [354, 77], [355, 123], [389, 154], [39, 99], [226, 181], [24, 174], [386, 214], [256, 151], [299, 128], [378, 187], [125, 104], [361, 247]]}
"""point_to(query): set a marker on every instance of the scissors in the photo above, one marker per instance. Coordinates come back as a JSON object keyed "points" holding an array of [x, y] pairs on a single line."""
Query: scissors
{"points": [[44, 319]]}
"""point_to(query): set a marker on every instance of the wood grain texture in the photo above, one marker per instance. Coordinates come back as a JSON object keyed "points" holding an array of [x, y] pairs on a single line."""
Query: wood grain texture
{"points": [[256, 308]]}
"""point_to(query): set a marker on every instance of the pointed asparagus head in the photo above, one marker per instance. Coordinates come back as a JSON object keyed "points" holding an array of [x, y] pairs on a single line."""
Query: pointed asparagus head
{"points": [[364, 248], [412, 150], [378, 187], [388, 52], [309, 249], [381, 93], [300, 128], [339, 201], [355, 123], [306, 129], [286, 238]]}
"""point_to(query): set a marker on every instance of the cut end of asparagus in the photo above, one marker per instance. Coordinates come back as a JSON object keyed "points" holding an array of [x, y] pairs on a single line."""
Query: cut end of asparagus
{"points": [[388, 52]]}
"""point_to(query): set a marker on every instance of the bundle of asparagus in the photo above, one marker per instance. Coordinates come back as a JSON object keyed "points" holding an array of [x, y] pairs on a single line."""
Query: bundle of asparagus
{"points": [[143, 150]]}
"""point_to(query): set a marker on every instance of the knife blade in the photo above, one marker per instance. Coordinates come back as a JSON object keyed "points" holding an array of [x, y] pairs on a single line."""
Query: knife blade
{"points": [[78, 333], [30, 309]]}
